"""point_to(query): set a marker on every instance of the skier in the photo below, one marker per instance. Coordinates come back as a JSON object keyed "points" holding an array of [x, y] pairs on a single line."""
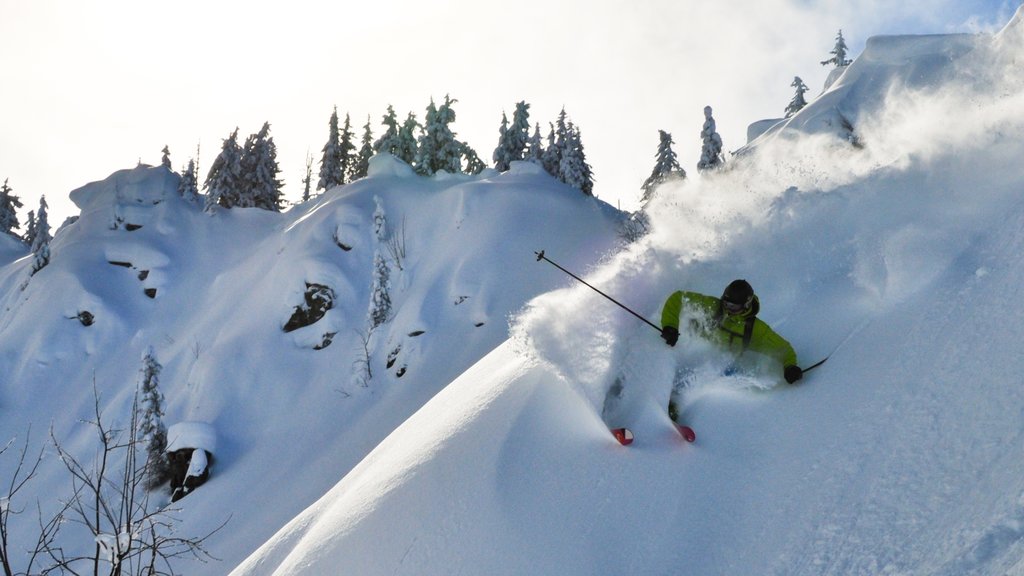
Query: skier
{"points": [[730, 321]]}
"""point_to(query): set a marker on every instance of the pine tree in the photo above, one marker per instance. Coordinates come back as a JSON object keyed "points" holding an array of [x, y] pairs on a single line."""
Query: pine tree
{"points": [[438, 148], [9, 204], [838, 58], [224, 182], [519, 132], [188, 187], [474, 165], [152, 431], [711, 156], [407, 140], [573, 167], [30, 228], [259, 169], [552, 156], [361, 166], [501, 156], [307, 182], [331, 170], [798, 102], [666, 167], [347, 150], [390, 141], [380, 291], [166, 160], [41, 238], [535, 148]]}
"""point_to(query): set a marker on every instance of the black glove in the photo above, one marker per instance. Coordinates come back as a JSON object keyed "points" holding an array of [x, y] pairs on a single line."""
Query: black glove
{"points": [[670, 334], [792, 373]]}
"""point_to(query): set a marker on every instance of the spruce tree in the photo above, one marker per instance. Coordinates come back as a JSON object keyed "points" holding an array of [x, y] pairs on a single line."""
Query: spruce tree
{"points": [[389, 142], [166, 160], [535, 148], [380, 291], [438, 148], [573, 167], [798, 102], [224, 182], [838, 58], [347, 149], [666, 167], [259, 168], [152, 431], [519, 132], [361, 165], [552, 156], [9, 204], [407, 140], [331, 170], [30, 228], [41, 238], [502, 156], [711, 156], [188, 187], [307, 182]]}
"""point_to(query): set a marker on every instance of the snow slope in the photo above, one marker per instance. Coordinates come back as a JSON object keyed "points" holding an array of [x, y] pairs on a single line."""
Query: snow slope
{"points": [[899, 257], [211, 292]]}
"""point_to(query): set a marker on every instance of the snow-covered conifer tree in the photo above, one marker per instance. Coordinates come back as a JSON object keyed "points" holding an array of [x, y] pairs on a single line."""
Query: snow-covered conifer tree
{"points": [[348, 148], [166, 160], [259, 169], [438, 148], [188, 187], [519, 131], [838, 58], [361, 163], [798, 102], [666, 167], [41, 238], [474, 165], [331, 170], [535, 147], [502, 156], [9, 204], [30, 228], [711, 156], [407, 138], [573, 167], [224, 182], [380, 291], [552, 156], [389, 142], [152, 431]]}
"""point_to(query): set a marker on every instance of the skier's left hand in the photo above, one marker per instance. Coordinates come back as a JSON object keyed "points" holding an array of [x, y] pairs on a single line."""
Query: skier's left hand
{"points": [[792, 373]]}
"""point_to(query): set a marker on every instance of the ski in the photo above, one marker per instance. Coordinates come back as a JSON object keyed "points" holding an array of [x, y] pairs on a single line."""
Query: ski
{"points": [[686, 432], [623, 435]]}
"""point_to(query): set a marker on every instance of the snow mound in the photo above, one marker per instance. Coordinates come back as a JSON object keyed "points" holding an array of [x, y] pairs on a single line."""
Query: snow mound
{"points": [[192, 435]]}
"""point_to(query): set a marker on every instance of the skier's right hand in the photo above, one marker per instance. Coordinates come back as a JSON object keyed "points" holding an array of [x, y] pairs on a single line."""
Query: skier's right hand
{"points": [[670, 334]]}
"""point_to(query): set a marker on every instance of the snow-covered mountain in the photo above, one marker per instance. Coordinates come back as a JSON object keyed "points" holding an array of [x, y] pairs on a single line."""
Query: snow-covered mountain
{"points": [[882, 226]]}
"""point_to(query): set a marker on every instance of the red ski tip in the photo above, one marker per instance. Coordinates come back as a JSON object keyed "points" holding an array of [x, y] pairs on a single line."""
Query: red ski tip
{"points": [[623, 435], [688, 434]]}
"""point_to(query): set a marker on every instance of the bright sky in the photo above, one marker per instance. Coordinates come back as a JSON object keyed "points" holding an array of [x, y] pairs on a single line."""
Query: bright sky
{"points": [[93, 87]]}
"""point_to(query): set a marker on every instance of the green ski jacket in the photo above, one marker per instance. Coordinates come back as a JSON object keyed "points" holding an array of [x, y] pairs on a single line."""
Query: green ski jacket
{"points": [[708, 320]]}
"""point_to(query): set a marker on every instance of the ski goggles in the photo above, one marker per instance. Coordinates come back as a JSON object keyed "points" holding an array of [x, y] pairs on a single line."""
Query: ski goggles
{"points": [[737, 307]]}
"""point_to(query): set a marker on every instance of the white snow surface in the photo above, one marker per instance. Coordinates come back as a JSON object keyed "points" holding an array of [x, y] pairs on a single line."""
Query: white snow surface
{"points": [[195, 435], [900, 258]]}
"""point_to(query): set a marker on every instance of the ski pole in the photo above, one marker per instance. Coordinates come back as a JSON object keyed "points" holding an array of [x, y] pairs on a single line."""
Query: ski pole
{"points": [[541, 256]]}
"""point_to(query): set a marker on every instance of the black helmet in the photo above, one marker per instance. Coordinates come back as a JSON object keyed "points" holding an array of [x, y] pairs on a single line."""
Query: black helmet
{"points": [[738, 295]]}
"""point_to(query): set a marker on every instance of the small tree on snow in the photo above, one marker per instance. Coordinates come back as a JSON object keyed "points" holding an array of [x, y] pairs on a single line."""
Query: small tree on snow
{"points": [[573, 168], [166, 160], [838, 58], [389, 142], [261, 187], [361, 163], [438, 148], [9, 204], [501, 156], [41, 239], [711, 156], [188, 188], [152, 431], [224, 182], [332, 172], [380, 305], [666, 167], [407, 138], [535, 147], [798, 102]]}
